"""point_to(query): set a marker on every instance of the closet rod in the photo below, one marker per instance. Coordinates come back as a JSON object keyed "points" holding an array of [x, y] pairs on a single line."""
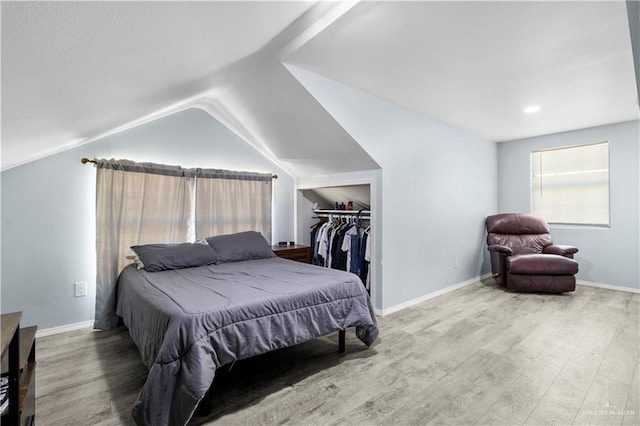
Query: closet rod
{"points": [[362, 215], [85, 160], [344, 216], [344, 212]]}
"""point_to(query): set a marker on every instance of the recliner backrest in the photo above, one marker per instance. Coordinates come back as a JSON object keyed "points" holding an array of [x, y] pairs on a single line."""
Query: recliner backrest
{"points": [[522, 232]]}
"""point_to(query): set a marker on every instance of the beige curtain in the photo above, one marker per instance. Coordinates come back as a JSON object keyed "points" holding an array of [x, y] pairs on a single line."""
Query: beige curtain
{"points": [[229, 202], [136, 203]]}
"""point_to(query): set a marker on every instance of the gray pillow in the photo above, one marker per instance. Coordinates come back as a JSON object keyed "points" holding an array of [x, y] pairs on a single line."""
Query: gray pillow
{"points": [[160, 257], [241, 246]]}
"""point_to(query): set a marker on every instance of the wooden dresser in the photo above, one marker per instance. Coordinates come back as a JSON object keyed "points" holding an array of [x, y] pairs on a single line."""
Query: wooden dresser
{"points": [[296, 252], [19, 365]]}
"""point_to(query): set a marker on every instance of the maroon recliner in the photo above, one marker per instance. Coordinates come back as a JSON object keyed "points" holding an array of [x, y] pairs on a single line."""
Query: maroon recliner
{"points": [[523, 257]]}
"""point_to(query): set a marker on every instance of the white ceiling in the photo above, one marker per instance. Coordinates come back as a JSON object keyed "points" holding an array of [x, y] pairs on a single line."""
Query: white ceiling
{"points": [[478, 64], [73, 71]]}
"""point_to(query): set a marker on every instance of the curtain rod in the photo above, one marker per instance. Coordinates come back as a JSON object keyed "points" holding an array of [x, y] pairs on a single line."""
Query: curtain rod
{"points": [[85, 160]]}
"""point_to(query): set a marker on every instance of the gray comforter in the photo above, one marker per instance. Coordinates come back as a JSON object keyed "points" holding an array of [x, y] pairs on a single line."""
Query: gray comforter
{"points": [[188, 322]]}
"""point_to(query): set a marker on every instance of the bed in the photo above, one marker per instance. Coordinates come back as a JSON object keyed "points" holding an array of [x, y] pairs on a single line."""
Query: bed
{"points": [[189, 321]]}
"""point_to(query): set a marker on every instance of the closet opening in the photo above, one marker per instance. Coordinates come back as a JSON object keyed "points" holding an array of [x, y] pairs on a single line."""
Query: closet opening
{"points": [[337, 222]]}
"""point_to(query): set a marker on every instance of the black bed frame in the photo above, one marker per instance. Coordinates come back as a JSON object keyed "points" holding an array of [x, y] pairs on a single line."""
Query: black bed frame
{"points": [[341, 341]]}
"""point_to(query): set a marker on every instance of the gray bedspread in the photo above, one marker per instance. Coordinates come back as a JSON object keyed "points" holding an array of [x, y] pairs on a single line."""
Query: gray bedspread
{"points": [[188, 322]]}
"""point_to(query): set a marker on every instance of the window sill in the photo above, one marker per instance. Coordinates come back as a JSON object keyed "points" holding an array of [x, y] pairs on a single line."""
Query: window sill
{"points": [[577, 226]]}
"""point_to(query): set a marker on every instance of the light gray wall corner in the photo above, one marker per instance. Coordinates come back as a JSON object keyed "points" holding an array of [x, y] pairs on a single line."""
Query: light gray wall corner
{"points": [[48, 239], [438, 185], [609, 256], [48, 209]]}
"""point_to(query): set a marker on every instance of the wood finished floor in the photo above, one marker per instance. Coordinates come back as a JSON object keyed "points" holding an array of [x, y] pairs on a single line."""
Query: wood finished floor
{"points": [[478, 355]]}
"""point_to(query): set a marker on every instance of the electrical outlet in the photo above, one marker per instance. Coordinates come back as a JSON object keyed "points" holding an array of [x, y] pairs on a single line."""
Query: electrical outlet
{"points": [[80, 289]]}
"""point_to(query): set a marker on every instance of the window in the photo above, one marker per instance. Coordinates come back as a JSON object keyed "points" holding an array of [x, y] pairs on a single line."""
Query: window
{"points": [[142, 203], [571, 185]]}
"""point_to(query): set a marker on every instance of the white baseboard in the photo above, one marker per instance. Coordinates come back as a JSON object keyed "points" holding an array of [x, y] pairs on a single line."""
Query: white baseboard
{"points": [[64, 328], [412, 302], [608, 286]]}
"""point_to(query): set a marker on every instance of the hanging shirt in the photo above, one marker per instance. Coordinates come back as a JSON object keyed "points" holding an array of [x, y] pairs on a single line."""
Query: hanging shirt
{"points": [[339, 255], [350, 233], [367, 258], [323, 244], [314, 243], [364, 266]]}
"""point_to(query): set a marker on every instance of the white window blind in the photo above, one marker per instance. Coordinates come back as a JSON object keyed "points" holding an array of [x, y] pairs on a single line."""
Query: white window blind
{"points": [[571, 185]]}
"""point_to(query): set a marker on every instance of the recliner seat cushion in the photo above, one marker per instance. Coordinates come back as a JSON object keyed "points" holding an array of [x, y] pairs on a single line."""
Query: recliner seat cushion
{"points": [[541, 264], [543, 283]]}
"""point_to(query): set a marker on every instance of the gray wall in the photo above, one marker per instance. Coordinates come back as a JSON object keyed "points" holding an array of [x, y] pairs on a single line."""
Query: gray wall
{"points": [[438, 185], [48, 210], [607, 256]]}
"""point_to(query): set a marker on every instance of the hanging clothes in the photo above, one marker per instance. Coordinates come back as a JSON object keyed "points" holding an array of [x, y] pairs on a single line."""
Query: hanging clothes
{"points": [[343, 243], [315, 229], [367, 258]]}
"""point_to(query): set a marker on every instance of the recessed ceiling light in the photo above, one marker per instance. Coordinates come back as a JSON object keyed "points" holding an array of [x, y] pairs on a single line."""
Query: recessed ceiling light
{"points": [[532, 109]]}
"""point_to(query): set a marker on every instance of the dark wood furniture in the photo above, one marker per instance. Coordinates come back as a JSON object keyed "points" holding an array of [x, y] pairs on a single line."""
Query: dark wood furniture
{"points": [[523, 257], [19, 364], [296, 252]]}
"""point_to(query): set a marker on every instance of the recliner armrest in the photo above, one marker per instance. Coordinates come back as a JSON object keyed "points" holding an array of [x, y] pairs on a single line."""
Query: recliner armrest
{"points": [[561, 250], [502, 249]]}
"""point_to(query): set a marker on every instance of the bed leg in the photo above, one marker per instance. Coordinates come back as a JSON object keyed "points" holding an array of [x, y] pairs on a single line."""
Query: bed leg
{"points": [[341, 341]]}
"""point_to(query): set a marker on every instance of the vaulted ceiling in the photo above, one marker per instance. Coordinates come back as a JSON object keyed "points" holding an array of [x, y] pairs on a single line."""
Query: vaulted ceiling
{"points": [[73, 72]]}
